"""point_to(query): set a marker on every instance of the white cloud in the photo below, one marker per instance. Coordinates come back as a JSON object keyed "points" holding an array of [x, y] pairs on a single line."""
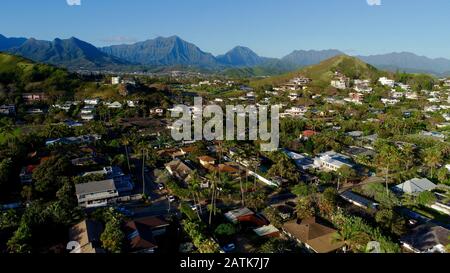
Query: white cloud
{"points": [[374, 2], [73, 2]]}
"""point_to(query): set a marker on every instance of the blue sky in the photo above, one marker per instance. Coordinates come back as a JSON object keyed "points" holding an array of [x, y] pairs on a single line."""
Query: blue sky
{"points": [[271, 28]]}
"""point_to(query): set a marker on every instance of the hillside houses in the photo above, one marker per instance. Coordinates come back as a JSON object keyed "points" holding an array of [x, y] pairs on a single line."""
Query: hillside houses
{"points": [[386, 82]]}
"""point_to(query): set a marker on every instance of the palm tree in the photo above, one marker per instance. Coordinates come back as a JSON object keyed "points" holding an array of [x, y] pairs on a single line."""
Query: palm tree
{"points": [[345, 236], [240, 155], [212, 177], [433, 158], [143, 147], [126, 143], [194, 187]]}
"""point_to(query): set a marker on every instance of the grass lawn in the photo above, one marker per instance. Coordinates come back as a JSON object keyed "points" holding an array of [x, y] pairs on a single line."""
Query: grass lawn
{"points": [[433, 214]]}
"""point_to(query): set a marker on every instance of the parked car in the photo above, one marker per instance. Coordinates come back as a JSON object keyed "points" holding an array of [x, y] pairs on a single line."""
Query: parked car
{"points": [[160, 186], [229, 248], [171, 199]]}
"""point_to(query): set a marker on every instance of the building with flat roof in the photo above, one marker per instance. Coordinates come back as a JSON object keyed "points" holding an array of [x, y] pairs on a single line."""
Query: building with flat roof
{"points": [[96, 194]]}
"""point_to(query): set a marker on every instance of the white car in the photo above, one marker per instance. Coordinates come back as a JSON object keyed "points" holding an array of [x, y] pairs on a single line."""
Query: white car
{"points": [[171, 199]]}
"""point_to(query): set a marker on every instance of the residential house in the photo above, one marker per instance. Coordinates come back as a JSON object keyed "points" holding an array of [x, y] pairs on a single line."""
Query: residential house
{"points": [[428, 238], [436, 135], [431, 108], [73, 140], [96, 194], [179, 169], [387, 82], [34, 97], [26, 174], [404, 87], [332, 161], [412, 95], [314, 236], [267, 231], [415, 186], [123, 182], [207, 161], [91, 101], [87, 234], [307, 134], [340, 83], [397, 95], [88, 113], [302, 161], [362, 86], [8, 110], [142, 234], [390, 101], [245, 215], [356, 98], [295, 112], [114, 105], [115, 80], [358, 200]]}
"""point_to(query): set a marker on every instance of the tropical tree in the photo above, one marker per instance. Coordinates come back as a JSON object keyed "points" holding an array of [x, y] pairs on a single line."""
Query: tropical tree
{"points": [[426, 198], [432, 158], [387, 159], [351, 238], [126, 143], [391, 221], [5, 173], [306, 208], [346, 172], [225, 230], [301, 190], [256, 200], [277, 246], [112, 237], [194, 188], [273, 216], [213, 180], [20, 241]]}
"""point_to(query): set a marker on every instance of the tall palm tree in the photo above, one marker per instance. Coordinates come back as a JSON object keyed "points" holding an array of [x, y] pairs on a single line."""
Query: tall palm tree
{"points": [[126, 143], [212, 177], [240, 154], [433, 158], [143, 148], [194, 187]]}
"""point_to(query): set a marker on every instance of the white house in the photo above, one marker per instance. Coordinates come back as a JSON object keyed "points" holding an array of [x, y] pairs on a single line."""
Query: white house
{"points": [[332, 161], [91, 101], [339, 84], [114, 105], [390, 101], [386, 82], [115, 80]]}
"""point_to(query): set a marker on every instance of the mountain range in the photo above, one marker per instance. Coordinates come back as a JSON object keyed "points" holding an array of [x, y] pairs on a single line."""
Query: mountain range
{"points": [[173, 51]]}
